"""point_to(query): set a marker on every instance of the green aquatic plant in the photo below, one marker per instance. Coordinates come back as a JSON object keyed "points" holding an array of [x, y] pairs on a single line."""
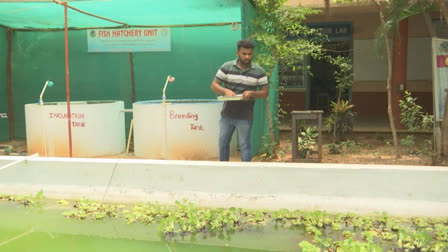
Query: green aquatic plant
{"points": [[438, 246], [167, 226], [317, 219], [313, 230], [351, 245], [420, 223], [441, 232], [347, 234], [421, 240], [308, 247], [257, 217], [336, 222], [388, 236], [62, 202], [326, 242], [358, 233], [404, 239], [85, 208], [26, 200], [369, 235]]}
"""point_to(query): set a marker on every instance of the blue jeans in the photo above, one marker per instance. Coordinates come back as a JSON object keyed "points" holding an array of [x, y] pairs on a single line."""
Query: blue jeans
{"points": [[226, 128]]}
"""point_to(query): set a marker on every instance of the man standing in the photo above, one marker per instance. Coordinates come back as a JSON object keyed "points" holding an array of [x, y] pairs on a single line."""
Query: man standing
{"points": [[240, 77]]}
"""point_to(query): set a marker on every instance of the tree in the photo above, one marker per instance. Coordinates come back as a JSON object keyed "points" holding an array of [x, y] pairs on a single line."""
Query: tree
{"points": [[384, 32], [391, 13], [281, 36]]}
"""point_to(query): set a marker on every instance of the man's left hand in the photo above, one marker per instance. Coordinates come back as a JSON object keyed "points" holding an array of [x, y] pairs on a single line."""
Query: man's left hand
{"points": [[247, 95]]}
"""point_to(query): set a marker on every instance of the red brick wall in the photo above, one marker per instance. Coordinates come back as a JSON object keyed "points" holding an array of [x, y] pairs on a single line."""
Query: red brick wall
{"points": [[375, 103]]}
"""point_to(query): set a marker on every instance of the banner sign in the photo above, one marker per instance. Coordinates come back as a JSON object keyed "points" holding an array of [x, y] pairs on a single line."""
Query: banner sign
{"points": [[129, 40], [334, 31], [440, 75]]}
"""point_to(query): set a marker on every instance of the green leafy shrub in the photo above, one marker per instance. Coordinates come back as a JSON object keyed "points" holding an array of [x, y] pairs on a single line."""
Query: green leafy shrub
{"points": [[335, 148], [307, 139], [409, 141], [411, 115], [342, 117]]}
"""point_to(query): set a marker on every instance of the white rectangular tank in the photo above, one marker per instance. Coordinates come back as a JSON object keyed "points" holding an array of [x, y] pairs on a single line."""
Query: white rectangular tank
{"points": [[98, 128], [191, 132]]}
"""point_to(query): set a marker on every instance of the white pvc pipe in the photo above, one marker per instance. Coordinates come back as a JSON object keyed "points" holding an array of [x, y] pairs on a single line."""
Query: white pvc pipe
{"points": [[165, 137], [19, 161], [42, 118], [164, 88]]}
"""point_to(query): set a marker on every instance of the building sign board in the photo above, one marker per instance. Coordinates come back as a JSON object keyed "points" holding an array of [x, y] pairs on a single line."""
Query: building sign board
{"points": [[129, 40], [334, 31], [440, 75]]}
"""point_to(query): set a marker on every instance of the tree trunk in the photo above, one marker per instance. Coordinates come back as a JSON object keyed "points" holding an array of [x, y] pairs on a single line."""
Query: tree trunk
{"points": [[389, 78], [268, 114], [268, 110], [336, 116]]}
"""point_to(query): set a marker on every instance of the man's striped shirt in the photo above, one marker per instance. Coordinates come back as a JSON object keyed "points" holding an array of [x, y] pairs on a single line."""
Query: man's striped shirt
{"points": [[238, 80]]}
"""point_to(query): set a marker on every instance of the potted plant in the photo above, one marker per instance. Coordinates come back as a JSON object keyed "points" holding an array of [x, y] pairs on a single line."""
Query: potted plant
{"points": [[306, 141]]}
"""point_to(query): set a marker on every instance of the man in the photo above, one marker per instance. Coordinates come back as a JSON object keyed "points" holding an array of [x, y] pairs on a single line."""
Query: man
{"points": [[240, 77]]}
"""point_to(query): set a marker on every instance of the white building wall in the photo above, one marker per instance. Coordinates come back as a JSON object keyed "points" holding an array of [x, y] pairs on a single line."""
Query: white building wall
{"points": [[368, 65]]}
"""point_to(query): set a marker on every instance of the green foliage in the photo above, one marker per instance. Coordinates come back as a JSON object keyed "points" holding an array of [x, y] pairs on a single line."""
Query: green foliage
{"points": [[268, 147], [342, 117], [349, 232], [394, 12], [343, 76], [340, 121], [281, 34], [411, 115], [335, 148], [90, 209], [344, 147], [308, 247], [26, 200], [352, 245], [307, 139], [409, 140]]}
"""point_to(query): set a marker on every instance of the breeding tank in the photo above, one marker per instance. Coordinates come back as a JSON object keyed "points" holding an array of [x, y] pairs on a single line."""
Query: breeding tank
{"points": [[98, 128], [178, 129]]}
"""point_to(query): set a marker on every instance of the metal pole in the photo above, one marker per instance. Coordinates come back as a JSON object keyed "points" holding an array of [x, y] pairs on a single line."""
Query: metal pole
{"points": [[67, 81], [9, 88], [131, 62]]}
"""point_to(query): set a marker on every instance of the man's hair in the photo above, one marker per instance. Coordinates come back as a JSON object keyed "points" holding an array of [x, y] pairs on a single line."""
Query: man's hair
{"points": [[245, 43]]}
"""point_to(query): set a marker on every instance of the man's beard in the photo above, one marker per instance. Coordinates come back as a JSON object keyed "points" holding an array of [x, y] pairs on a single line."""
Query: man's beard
{"points": [[245, 62]]}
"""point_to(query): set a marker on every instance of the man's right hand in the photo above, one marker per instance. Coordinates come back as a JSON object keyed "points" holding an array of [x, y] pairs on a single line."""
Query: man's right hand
{"points": [[228, 92]]}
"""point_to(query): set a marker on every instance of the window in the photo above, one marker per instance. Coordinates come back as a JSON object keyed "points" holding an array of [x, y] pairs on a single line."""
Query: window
{"points": [[440, 28], [292, 76]]}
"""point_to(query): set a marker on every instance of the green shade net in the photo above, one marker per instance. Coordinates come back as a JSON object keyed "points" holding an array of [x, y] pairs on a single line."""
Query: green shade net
{"points": [[4, 123], [196, 54], [50, 15]]}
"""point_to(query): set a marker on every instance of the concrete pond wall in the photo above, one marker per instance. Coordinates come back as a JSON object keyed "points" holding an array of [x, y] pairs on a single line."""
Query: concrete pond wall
{"points": [[398, 190]]}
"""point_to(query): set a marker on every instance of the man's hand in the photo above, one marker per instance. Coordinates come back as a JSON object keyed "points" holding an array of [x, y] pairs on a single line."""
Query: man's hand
{"points": [[262, 93], [216, 87], [228, 92], [247, 95]]}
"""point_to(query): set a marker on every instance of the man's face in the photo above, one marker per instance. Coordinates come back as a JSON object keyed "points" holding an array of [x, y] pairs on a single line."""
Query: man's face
{"points": [[245, 55]]}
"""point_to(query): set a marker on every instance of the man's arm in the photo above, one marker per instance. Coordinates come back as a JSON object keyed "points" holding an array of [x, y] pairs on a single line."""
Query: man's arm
{"points": [[218, 89], [263, 92]]}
